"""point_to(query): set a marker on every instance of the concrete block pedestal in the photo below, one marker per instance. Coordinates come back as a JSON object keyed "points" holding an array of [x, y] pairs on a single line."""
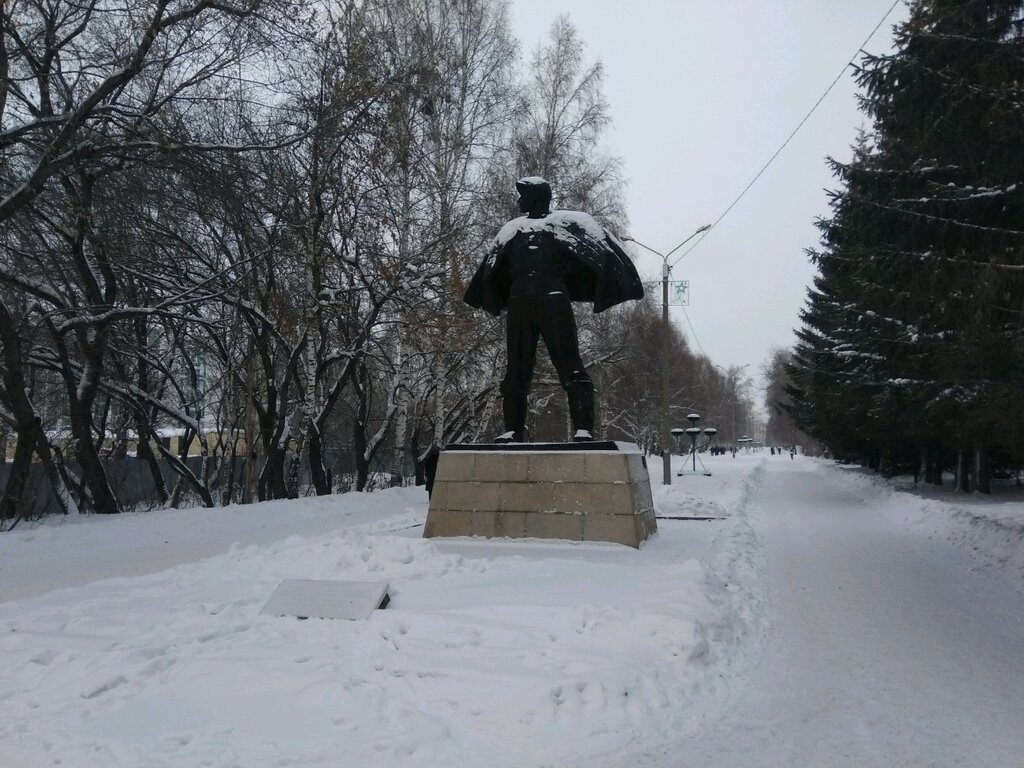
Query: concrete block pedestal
{"points": [[580, 492]]}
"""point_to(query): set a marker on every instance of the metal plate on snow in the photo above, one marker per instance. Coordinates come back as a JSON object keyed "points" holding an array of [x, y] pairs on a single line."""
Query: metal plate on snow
{"points": [[308, 598]]}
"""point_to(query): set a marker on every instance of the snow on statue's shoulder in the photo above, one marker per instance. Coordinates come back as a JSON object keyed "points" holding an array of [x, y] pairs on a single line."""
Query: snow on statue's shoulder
{"points": [[564, 225], [584, 221], [576, 228], [512, 228]]}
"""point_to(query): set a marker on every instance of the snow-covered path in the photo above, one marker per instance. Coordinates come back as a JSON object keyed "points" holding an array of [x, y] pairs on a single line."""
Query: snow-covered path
{"points": [[886, 648], [138, 641]]}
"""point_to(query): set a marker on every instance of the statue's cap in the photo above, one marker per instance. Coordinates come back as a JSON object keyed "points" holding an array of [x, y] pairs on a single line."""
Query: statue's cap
{"points": [[533, 184]]}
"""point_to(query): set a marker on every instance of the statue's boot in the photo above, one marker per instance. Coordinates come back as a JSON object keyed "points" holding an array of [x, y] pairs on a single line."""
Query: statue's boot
{"points": [[514, 412], [581, 409]]}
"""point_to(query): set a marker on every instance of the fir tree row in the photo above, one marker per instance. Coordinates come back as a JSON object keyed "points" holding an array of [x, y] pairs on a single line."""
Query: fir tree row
{"points": [[911, 352]]}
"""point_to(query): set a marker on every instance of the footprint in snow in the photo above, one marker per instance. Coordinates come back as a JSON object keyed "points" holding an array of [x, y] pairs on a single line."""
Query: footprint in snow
{"points": [[44, 657], [107, 684], [156, 666]]}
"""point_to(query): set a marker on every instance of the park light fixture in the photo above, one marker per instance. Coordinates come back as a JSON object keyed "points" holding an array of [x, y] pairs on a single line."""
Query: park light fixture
{"points": [[693, 431]]}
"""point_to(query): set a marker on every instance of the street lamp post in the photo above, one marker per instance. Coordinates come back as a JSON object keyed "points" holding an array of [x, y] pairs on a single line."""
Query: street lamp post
{"points": [[666, 439], [694, 432]]}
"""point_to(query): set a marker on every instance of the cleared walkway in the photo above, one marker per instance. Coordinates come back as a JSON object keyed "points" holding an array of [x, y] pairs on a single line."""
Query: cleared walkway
{"points": [[885, 650]]}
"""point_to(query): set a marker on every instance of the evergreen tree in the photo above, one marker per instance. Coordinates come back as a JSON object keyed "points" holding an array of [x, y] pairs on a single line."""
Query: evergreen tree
{"points": [[912, 332]]}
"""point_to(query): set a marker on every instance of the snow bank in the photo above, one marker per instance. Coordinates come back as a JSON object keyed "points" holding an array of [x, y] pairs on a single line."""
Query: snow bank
{"points": [[491, 652], [63, 552], [989, 528]]}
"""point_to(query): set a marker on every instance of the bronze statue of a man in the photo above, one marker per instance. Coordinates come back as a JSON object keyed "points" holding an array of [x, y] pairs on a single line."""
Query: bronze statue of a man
{"points": [[537, 265]]}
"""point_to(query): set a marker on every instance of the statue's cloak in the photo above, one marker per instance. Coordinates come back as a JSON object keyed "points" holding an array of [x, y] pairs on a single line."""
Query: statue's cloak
{"points": [[601, 272]]}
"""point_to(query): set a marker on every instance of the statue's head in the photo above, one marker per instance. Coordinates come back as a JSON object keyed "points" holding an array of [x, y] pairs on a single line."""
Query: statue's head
{"points": [[534, 196]]}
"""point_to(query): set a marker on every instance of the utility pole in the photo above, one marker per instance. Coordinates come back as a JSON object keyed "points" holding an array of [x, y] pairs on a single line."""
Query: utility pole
{"points": [[666, 430]]}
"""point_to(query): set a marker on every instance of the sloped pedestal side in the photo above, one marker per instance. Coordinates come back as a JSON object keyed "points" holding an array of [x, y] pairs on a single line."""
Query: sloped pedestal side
{"points": [[552, 491]]}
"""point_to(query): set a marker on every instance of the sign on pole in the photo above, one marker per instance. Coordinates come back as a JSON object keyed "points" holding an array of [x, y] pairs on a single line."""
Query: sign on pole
{"points": [[679, 293]]}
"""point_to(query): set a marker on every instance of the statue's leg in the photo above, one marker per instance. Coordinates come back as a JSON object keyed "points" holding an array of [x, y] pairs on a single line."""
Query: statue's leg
{"points": [[513, 409], [558, 327], [521, 334]]}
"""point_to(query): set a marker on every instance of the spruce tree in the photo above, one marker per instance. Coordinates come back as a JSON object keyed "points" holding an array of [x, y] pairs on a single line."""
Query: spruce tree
{"points": [[923, 254]]}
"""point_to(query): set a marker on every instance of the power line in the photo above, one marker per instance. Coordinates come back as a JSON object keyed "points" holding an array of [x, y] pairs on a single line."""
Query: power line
{"points": [[699, 345], [789, 138]]}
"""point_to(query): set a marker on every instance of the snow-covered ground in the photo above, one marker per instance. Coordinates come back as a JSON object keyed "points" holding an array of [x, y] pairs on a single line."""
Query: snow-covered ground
{"points": [[827, 620], [888, 647], [490, 653], [989, 528], [72, 551]]}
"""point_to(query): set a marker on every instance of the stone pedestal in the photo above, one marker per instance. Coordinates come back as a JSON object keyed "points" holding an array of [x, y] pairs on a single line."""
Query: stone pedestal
{"points": [[549, 491]]}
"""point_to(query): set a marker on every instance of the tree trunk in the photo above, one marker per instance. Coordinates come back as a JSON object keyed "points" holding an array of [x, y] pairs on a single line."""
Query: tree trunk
{"points": [[963, 464], [419, 467], [317, 468], [11, 509], [272, 479], [94, 474], [402, 397], [294, 472], [359, 440], [31, 436], [24, 414], [249, 475], [228, 493], [145, 453], [934, 466], [983, 469], [359, 452], [249, 436], [440, 412], [58, 483], [206, 469]]}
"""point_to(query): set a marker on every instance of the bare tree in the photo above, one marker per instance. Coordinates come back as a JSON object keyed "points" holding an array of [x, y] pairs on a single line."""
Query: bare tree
{"points": [[96, 82], [91, 91], [445, 124], [781, 429], [566, 115]]}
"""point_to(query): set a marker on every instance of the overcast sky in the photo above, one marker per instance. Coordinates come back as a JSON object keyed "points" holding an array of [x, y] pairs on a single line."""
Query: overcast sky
{"points": [[702, 93]]}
